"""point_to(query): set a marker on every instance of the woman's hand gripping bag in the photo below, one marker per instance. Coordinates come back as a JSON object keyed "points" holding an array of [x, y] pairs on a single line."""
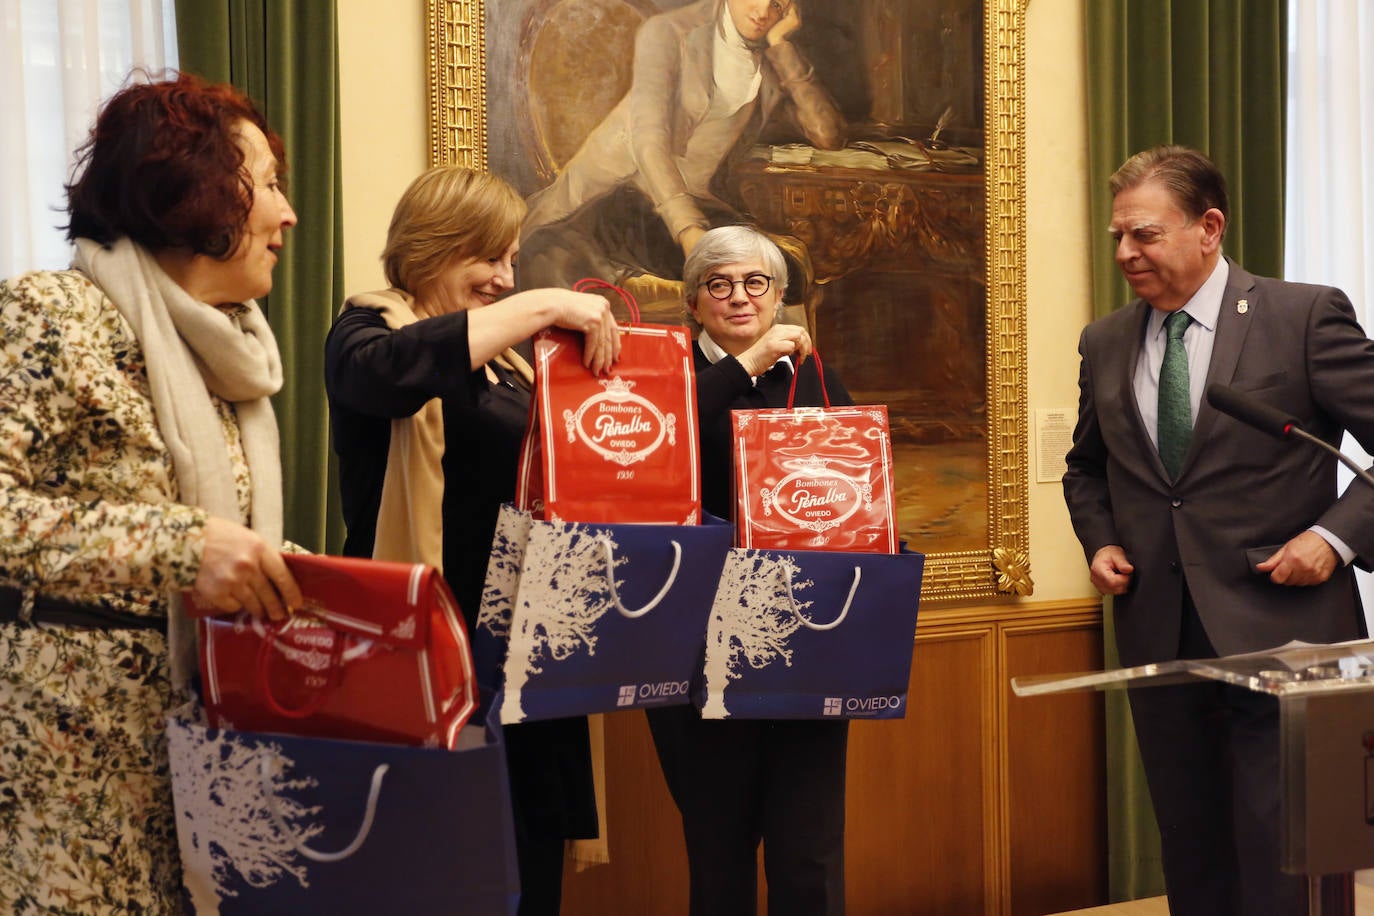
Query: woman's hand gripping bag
{"points": [[617, 448], [811, 635], [379, 652], [814, 478], [286, 824]]}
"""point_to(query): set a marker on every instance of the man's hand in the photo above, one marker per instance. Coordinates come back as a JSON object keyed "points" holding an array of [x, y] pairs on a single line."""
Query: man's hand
{"points": [[239, 571], [1306, 560], [1110, 570], [789, 23]]}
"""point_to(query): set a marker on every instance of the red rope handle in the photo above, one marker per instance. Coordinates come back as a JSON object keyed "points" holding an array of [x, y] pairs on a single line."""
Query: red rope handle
{"points": [[592, 284], [311, 706], [792, 390]]}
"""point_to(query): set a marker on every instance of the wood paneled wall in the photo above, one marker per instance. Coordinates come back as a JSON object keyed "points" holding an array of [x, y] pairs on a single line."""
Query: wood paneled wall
{"points": [[978, 802]]}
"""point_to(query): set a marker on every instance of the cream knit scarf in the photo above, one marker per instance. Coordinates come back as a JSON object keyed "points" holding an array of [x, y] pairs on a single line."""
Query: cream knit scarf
{"points": [[192, 351]]}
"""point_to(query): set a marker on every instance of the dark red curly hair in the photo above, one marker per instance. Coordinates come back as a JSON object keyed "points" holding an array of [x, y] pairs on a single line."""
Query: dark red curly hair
{"points": [[163, 167]]}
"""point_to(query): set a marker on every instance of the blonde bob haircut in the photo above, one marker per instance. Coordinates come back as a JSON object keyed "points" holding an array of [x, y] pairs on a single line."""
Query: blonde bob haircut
{"points": [[449, 213]]}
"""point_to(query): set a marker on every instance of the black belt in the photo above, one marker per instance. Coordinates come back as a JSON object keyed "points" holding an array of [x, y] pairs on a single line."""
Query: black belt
{"points": [[59, 612]]}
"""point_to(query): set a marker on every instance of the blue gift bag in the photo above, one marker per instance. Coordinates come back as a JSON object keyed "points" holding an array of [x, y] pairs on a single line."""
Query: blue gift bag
{"points": [[283, 824], [603, 617], [810, 635], [492, 631]]}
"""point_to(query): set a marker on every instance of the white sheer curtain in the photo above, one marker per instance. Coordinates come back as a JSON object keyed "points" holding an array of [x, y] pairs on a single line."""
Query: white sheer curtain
{"points": [[1329, 236], [58, 60]]}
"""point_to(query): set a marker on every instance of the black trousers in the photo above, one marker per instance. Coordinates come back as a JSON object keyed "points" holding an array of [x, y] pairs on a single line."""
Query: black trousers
{"points": [[552, 801], [741, 782], [1211, 755]]}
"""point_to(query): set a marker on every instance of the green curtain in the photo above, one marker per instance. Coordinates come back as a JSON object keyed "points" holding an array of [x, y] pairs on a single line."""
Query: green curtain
{"points": [[1210, 74], [284, 55]]}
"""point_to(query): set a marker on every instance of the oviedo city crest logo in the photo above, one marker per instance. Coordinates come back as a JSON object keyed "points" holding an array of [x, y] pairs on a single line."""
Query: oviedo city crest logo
{"points": [[619, 425], [816, 497]]}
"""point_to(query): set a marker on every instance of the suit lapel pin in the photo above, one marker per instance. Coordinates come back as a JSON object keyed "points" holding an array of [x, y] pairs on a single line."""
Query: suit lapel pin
{"points": [[1242, 306]]}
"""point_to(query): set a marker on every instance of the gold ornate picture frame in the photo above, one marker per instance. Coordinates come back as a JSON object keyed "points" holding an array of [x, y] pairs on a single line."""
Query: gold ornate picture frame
{"points": [[457, 91]]}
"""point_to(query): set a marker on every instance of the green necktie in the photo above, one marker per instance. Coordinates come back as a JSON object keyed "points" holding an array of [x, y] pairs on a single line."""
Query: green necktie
{"points": [[1175, 403]]}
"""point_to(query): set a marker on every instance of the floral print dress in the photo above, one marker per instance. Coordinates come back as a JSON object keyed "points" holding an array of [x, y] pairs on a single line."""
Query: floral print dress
{"points": [[88, 512]]}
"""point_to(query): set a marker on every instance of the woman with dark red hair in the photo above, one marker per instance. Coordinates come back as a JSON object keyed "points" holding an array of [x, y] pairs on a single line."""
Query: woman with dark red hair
{"points": [[138, 458]]}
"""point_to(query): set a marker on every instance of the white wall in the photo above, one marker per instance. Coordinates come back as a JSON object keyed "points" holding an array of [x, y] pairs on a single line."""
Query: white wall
{"points": [[383, 109], [385, 144], [1058, 275]]}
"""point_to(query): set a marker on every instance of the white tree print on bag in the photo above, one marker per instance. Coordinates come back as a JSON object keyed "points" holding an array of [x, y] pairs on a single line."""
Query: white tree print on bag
{"points": [[503, 570], [235, 814], [223, 822], [752, 618], [563, 592]]}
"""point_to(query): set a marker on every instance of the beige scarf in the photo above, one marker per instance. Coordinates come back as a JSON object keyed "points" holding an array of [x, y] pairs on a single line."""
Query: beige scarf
{"points": [[410, 525], [193, 351]]}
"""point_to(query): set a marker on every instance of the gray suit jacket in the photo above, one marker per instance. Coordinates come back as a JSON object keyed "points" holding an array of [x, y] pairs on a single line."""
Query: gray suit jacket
{"points": [[650, 138], [1296, 347]]}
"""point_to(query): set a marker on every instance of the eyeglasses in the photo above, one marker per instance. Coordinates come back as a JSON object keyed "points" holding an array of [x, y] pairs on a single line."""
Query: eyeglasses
{"points": [[754, 285]]}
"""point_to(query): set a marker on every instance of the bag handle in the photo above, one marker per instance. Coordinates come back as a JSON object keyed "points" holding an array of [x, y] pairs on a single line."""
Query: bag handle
{"points": [[654, 601], [820, 374], [312, 705], [592, 284], [786, 573], [370, 813]]}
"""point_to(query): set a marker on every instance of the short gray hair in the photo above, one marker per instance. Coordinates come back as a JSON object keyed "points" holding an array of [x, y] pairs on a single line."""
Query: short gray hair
{"points": [[726, 245]]}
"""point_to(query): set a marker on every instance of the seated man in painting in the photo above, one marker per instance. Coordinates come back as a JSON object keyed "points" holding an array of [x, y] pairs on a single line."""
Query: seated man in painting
{"points": [[644, 185]]}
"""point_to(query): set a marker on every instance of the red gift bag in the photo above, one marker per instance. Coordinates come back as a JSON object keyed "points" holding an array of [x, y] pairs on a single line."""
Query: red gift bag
{"points": [[378, 653], [814, 478], [616, 448]]}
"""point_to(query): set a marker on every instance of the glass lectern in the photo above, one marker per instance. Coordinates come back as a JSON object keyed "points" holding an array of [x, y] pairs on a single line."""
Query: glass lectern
{"points": [[1326, 715]]}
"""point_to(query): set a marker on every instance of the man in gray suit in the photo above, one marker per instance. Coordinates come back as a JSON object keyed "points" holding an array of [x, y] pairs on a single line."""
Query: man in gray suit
{"points": [[1215, 538], [645, 184]]}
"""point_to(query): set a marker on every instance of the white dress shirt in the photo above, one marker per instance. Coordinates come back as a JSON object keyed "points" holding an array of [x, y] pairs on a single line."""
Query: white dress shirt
{"points": [[714, 354]]}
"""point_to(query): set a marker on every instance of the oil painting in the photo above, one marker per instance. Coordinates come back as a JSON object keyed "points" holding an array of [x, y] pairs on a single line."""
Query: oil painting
{"points": [[872, 139]]}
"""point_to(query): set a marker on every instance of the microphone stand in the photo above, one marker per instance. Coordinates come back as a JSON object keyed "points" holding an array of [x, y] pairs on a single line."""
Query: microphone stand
{"points": [[1295, 430]]}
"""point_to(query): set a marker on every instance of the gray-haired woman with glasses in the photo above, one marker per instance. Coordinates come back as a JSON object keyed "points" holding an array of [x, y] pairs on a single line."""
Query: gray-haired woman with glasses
{"points": [[738, 782]]}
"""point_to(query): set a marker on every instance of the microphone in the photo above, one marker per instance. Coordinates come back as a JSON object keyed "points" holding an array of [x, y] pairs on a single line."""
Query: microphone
{"points": [[1275, 422], [1251, 412]]}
